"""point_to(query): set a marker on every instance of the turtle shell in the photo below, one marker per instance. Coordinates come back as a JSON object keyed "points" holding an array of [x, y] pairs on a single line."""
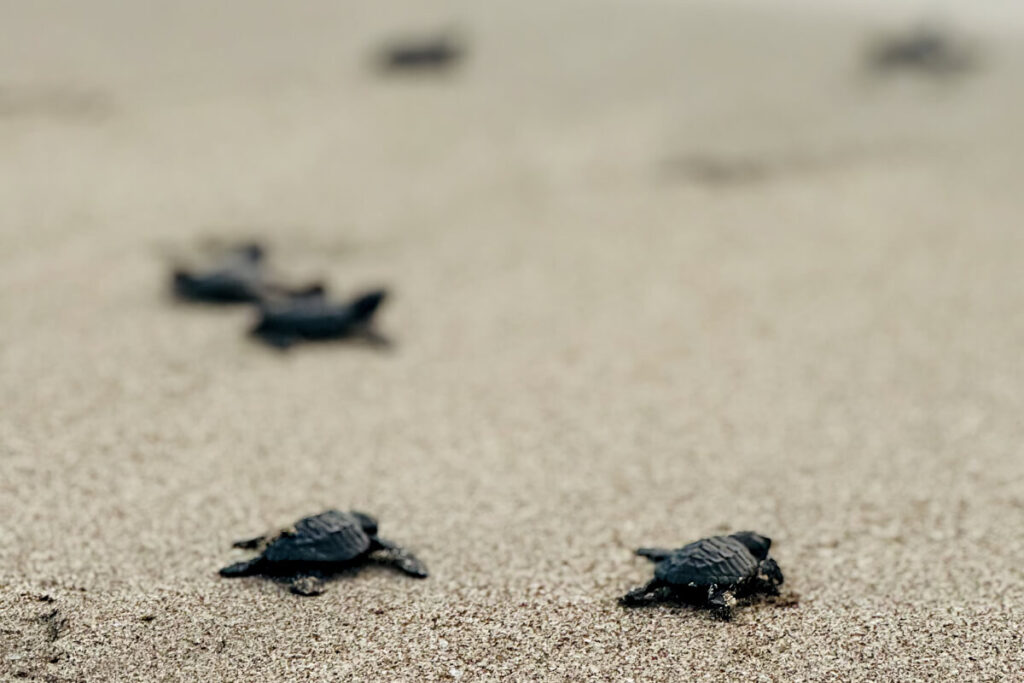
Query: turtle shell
{"points": [[226, 287], [719, 560], [315, 318], [328, 538], [238, 278]]}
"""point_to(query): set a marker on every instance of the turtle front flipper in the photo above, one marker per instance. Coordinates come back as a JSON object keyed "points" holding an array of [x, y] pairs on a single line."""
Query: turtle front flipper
{"points": [[721, 602], [247, 568], [399, 558], [769, 577], [307, 585], [408, 563], [654, 554]]}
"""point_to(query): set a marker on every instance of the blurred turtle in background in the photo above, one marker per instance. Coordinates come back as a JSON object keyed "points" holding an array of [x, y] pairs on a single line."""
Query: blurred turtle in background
{"points": [[435, 53], [924, 50], [238, 276], [313, 318]]}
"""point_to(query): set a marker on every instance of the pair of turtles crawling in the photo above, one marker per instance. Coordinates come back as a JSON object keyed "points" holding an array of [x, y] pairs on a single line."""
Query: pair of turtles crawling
{"points": [[286, 315], [712, 573]]}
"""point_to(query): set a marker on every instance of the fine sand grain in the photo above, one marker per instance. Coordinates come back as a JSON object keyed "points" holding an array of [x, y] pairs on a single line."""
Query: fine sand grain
{"points": [[597, 348]]}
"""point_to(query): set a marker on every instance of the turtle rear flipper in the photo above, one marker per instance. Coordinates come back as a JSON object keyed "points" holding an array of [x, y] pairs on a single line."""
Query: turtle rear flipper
{"points": [[249, 543], [654, 554], [654, 591], [246, 568]]}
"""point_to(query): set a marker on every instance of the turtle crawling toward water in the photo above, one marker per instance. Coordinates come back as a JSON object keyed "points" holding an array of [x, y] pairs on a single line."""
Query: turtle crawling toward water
{"points": [[711, 573], [313, 318], [316, 547], [238, 277]]}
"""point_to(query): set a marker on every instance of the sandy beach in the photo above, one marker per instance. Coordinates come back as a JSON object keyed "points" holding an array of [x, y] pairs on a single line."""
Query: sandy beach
{"points": [[601, 344]]}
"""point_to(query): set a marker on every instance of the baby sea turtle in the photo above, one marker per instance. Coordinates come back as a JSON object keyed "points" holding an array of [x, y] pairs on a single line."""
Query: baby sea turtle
{"points": [[710, 573], [305, 554], [924, 50], [423, 54], [313, 318], [239, 277]]}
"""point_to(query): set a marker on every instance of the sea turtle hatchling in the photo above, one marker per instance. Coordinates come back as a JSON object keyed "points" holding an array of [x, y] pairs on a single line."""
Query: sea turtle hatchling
{"points": [[313, 318], [238, 277], [711, 573], [316, 547], [926, 50], [429, 53]]}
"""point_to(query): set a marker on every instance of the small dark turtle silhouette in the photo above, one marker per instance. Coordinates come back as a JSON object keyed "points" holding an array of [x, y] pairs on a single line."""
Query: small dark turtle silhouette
{"points": [[425, 54], [710, 573], [925, 50], [313, 318], [237, 279], [240, 277], [319, 546]]}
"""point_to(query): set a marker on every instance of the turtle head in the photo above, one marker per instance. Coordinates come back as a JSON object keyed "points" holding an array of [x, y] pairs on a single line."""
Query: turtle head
{"points": [[368, 523], [757, 544], [364, 306]]}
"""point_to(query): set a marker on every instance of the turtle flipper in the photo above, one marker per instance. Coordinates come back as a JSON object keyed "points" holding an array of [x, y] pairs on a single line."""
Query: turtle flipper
{"points": [[769, 577], [721, 602], [279, 340], [247, 568], [649, 594], [408, 563], [654, 554], [249, 543], [400, 558], [374, 339], [308, 585]]}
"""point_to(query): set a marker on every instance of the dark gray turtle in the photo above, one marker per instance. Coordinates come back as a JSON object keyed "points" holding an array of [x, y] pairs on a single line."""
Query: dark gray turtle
{"points": [[925, 50], [424, 54], [710, 573], [313, 318], [316, 547], [239, 277]]}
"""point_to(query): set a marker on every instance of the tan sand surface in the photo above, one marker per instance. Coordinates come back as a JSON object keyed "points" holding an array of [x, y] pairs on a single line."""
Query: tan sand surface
{"points": [[600, 345]]}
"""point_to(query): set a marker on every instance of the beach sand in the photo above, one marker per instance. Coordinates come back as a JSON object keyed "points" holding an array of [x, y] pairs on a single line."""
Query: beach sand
{"points": [[601, 344]]}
